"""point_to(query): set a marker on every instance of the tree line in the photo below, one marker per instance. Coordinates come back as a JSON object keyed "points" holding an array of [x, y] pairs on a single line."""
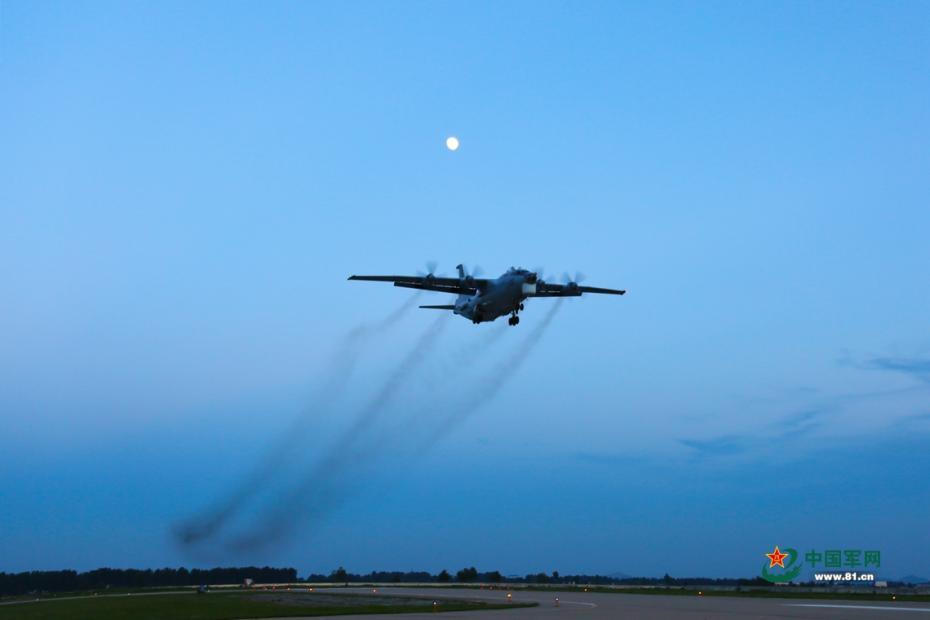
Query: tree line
{"points": [[102, 578], [472, 575]]}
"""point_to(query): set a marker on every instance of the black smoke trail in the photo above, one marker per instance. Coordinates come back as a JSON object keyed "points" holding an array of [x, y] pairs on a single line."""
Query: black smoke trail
{"points": [[328, 483], [463, 359], [323, 486], [494, 381], [354, 344], [343, 363]]}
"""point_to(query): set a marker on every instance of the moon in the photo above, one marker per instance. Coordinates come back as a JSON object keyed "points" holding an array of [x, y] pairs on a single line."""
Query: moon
{"points": [[452, 143]]}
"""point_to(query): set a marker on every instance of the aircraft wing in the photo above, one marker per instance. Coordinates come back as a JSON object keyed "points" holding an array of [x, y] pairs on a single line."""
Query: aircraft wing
{"points": [[456, 286], [544, 289]]}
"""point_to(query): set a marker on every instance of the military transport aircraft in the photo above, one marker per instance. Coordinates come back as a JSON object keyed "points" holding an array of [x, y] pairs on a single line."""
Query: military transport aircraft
{"points": [[483, 300]]}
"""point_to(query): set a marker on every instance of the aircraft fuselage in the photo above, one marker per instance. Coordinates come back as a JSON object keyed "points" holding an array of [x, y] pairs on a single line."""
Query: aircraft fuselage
{"points": [[499, 297]]}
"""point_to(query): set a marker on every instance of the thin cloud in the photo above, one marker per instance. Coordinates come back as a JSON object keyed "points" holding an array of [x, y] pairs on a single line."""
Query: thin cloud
{"points": [[916, 367], [723, 445], [799, 423], [790, 427], [601, 458]]}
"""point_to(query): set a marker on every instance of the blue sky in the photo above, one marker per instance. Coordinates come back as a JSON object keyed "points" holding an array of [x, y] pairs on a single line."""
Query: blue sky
{"points": [[184, 189]]}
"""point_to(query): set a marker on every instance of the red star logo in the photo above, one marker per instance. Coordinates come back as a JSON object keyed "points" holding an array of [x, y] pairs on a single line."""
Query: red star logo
{"points": [[776, 558]]}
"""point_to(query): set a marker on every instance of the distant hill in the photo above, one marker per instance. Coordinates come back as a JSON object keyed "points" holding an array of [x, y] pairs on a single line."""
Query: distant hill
{"points": [[914, 579]]}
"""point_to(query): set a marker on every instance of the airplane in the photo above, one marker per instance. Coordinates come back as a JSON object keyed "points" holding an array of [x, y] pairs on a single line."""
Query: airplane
{"points": [[482, 300]]}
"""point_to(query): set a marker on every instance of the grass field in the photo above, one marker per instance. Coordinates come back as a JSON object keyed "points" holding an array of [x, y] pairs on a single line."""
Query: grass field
{"points": [[225, 606]]}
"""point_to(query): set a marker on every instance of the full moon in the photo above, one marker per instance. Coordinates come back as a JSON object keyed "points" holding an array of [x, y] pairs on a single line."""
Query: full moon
{"points": [[452, 143]]}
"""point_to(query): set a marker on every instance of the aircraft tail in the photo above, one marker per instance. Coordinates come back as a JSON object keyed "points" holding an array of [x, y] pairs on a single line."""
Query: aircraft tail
{"points": [[445, 307]]}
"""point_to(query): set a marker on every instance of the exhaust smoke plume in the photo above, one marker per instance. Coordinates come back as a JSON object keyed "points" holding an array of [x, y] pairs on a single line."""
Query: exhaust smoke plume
{"points": [[344, 361], [486, 390], [321, 488], [369, 437]]}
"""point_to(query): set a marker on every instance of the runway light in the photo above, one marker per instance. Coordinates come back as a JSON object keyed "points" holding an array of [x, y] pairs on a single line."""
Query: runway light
{"points": [[700, 593]]}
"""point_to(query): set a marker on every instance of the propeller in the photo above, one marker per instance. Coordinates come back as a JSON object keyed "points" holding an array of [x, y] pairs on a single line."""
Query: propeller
{"points": [[430, 269], [570, 283], [474, 273]]}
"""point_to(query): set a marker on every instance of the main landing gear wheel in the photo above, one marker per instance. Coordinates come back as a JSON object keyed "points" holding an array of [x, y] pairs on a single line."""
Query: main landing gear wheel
{"points": [[512, 321]]}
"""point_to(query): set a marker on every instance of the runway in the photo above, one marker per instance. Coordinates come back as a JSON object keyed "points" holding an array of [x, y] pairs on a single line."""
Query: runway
{"points": [[596, 606]]}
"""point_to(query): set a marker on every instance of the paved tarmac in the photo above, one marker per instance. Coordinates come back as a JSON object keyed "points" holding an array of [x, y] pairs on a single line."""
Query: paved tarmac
{"points": [[595, 606]]}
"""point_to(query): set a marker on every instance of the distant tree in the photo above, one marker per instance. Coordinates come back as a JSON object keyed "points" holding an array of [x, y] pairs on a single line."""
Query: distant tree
{"points": [[541, 578], [339, 574], [444, 577], [467, 574], [494, 576], [668, 579], [555, 575]]}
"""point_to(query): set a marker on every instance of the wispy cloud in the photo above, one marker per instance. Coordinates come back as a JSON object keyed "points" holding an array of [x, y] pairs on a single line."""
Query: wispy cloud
{"points": [[799, 423], [732, 444], [601, 458], [916, 367], [800, 418], [724, 445]]}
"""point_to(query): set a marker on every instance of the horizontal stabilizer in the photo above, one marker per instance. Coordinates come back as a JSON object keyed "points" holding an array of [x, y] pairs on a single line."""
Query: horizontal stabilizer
{"points": [[450, 307]]}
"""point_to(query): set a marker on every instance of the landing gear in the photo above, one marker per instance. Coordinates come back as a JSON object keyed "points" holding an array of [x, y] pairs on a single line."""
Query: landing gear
{"points": [[512, 321]]}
